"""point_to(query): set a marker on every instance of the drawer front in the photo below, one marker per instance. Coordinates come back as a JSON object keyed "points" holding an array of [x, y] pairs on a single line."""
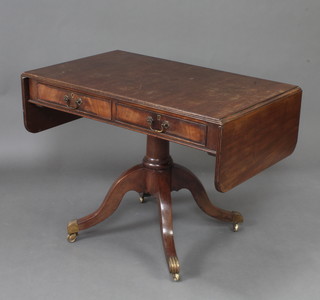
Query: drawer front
{"points": [[161, 123], [75, 101]]}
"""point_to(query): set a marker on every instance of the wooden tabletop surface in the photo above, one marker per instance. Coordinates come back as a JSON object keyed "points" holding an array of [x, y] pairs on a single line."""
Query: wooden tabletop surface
{"points": [[250, 123], [202, 92]]}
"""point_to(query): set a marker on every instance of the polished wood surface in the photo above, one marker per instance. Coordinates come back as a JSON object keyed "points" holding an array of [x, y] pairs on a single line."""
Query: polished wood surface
{"points": [[157, 176], [172, 86], [131, 180], [38, 118], [189, 131], [257, 140], [90, 105], [248, 123], [182, 178]]}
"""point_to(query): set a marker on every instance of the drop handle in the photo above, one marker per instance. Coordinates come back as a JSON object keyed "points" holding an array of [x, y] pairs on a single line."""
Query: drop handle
{"points": [[67, 99], [164, 125]]}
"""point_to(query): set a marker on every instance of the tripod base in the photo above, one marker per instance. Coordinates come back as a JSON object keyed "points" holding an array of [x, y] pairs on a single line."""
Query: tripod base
{"points": [[156, 176]]}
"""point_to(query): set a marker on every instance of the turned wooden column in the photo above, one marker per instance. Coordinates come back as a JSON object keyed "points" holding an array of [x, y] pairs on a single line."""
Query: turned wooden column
{"points": [[156, 176], [157, 155]]}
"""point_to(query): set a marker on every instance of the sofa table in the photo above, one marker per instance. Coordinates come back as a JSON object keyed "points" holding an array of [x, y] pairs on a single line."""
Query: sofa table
{"points": [[248, 123]]}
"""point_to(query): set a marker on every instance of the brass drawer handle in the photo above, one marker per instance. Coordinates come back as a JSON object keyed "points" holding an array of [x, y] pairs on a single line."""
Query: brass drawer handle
{"points": [[164, 125], [68, 99]]}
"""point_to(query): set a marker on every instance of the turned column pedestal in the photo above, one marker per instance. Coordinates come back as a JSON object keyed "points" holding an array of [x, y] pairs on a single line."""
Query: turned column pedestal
{"points": [[156, 176]]}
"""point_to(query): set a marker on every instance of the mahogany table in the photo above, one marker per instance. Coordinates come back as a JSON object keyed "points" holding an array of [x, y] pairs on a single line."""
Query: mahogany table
{"points": [[248, 123]]}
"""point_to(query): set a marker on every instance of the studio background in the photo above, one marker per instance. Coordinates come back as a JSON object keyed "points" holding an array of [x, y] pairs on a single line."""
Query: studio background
{"points": [[49, 178]]}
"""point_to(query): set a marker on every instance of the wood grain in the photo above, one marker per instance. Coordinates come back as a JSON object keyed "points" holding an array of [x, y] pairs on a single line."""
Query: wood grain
{"points": [[249, 123], [38, 118], [131, 180], [187, 130], [158, 176], [180, 88], [99, 107], [257, 140]]}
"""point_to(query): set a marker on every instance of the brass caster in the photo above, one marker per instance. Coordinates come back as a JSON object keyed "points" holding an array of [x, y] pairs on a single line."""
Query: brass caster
{"points": [[73, 230], [72, 237], [174, 267], [176, 276], [141, 198], [237, 218]]}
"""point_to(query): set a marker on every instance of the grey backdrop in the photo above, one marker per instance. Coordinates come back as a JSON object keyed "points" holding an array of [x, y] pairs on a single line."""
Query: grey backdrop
{"points": [[49, 178]]}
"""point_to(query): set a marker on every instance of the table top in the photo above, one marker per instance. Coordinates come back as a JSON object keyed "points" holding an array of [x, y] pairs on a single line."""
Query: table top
{"points": [[248, 123], [186, 89]]}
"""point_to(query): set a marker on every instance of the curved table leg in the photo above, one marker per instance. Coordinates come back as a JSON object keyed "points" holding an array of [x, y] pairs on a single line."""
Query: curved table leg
{"points": [[183, 178], [166, 224], [133, 179]]}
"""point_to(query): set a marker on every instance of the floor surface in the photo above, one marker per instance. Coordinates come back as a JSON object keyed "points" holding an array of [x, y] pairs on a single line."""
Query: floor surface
{"points": [[275, 254]]}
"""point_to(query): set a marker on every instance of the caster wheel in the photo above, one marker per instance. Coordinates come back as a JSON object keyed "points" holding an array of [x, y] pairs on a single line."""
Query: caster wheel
{"points": [[72, 237], [235, 227], [176, 277], [142, 197]]}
